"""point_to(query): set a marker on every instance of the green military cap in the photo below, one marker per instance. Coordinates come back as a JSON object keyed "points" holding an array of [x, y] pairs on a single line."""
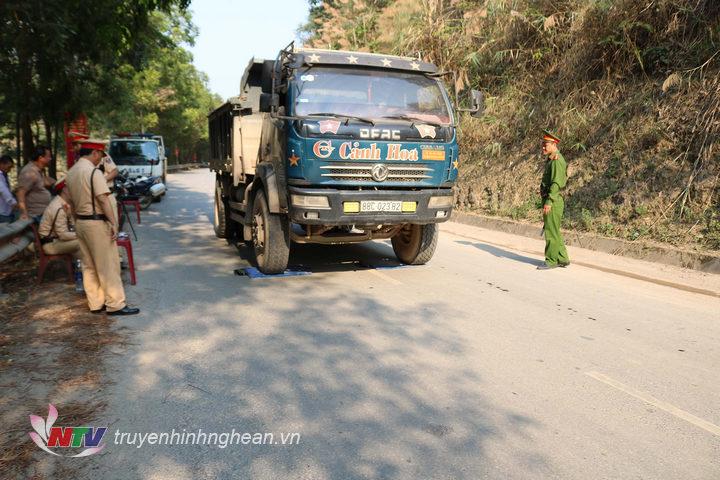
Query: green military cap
{"points": [[549, 137]]}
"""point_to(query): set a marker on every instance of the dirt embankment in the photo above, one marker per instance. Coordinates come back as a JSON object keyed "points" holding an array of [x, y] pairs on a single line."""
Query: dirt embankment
{"points": [[632, 88], [52, 350]]}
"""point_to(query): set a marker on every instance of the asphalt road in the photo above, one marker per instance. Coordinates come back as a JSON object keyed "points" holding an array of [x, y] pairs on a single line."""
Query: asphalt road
{"points": [[473, 366]]}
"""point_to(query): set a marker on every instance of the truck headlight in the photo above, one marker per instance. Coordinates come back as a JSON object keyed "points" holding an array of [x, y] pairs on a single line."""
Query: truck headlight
{"points": [[445, 201], [307, 201]]}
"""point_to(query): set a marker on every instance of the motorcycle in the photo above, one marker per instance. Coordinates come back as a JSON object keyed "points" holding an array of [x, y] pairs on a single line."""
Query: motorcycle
{"points": [[145, 189]]}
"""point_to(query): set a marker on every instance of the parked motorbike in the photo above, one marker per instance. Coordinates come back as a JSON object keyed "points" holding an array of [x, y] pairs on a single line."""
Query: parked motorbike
{"points": [[145, 189]]}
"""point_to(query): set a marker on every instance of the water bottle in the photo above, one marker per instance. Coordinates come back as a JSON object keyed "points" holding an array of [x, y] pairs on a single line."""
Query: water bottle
{"points": [[78, 277]]}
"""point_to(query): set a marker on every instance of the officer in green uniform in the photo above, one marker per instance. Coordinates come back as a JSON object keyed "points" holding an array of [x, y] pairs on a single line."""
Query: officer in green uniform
{"points": [[553, 181]]}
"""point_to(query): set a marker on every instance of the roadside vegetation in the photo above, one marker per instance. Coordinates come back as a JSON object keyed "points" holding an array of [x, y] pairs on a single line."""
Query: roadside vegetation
{"points": [[631, 87], [120, 62]]}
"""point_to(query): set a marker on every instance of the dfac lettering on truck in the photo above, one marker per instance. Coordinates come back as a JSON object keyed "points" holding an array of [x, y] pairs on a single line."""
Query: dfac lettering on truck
{"points": [[335, 147]]}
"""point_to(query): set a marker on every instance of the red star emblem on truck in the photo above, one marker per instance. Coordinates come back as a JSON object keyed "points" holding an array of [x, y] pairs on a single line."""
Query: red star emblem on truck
{"points": [[329, 126], [294, 159]]}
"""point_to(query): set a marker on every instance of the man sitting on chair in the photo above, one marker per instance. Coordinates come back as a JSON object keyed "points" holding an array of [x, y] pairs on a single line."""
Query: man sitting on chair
{"points": [[55, 231]]}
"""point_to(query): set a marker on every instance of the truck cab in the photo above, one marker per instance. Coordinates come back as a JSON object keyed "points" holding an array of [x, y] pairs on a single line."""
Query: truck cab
{"points": [[328, 146], [139, 155]]}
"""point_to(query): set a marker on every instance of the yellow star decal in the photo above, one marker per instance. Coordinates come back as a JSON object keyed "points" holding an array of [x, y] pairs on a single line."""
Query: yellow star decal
{"points": [[455, 164], [352, 59], [294, 160], [386, 62]]}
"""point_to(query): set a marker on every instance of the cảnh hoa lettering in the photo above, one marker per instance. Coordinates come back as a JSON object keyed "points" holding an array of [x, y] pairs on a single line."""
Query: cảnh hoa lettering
{"points": [[353, 151]]}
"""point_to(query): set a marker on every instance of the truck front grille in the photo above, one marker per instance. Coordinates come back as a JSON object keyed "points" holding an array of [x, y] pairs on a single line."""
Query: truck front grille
{"points": [[361, 172]]}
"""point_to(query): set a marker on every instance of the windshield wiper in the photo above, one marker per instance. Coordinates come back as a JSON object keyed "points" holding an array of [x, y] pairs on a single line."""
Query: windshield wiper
{"points": [[413, 120], [347, 117]]}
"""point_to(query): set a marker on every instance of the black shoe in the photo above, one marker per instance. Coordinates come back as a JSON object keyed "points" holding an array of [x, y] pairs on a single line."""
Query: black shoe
{"points": [[99, 310], [125, 311], [547, 267], [564, 265]]}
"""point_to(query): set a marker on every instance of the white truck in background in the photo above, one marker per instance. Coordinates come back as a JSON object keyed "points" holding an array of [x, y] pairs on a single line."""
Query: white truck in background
{"points": [[139, 155]]}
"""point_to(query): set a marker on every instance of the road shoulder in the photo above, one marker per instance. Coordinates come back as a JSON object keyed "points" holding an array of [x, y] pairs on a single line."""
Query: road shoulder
{"points": [[657, 273]]}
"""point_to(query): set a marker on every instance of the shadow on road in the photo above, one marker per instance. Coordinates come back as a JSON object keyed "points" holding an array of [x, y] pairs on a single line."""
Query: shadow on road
{"points": [[501, 253], [377, 388]]}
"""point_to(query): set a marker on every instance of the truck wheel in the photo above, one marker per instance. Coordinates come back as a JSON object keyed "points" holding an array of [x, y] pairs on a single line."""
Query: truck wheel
{"points": [[415, 244], [270, 237], [221, 219]]}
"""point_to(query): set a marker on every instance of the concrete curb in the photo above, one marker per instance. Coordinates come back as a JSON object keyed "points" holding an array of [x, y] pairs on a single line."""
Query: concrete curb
{"points": [[704, 262]]}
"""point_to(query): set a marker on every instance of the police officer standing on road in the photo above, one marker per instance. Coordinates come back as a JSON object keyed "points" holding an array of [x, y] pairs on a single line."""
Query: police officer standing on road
{"points": [[107, 167], [96, 226], [553, 181]]}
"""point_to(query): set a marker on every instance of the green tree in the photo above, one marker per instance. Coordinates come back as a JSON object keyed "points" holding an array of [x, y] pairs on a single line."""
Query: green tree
{"points": [[55, 55], [168, 96]]}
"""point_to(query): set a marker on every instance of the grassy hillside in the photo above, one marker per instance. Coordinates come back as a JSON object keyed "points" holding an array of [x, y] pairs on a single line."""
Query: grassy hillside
{"points": [[632, 87]]}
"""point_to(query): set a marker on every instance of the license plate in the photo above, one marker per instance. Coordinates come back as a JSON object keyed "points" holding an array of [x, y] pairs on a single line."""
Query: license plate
{"points": [[380, 206]]}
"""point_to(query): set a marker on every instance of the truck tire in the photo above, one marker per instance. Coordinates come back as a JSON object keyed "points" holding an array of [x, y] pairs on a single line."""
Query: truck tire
{"points": [[415, 244], [270, 237], [221, 219]]}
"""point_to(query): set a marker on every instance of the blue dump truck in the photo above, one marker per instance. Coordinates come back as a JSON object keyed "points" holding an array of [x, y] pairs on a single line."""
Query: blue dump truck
{"points": [[333, 147]]}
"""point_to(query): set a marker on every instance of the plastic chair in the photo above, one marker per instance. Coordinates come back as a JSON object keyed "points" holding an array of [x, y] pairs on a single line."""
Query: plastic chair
{"points": [[127, 245], [45, 259], [135, 203]]}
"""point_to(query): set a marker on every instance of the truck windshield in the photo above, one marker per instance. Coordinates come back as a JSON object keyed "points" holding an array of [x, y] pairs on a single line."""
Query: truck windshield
{"points": [[374, 94], [130, 152]]}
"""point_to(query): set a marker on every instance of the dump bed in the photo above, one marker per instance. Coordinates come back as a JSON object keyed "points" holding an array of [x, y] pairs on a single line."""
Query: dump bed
{"points": [[236, 127]]}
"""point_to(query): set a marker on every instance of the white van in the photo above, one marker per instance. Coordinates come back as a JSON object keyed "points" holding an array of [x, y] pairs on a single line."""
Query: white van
{"points": [[139, 155]]}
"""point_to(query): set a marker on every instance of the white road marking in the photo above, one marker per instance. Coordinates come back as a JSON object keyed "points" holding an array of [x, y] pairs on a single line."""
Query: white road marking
{"points": [[385, 277], [671, 409]]}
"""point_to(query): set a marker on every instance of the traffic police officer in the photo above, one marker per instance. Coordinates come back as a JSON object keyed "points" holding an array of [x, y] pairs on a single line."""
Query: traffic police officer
{"points": [[56, 234], [553, 181], [96, 226], [107, 167]]}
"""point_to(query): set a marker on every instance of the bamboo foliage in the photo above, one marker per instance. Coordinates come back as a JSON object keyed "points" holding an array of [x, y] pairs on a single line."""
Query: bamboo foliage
{"points": [[631, 87]]}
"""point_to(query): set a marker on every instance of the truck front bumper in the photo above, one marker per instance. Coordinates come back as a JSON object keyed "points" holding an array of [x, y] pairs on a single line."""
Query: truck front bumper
{"points": [[336, 213]]}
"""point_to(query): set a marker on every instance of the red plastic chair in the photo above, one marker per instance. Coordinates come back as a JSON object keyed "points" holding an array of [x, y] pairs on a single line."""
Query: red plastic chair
{"points": [[127, 245], [135, 203], [45, 259]]}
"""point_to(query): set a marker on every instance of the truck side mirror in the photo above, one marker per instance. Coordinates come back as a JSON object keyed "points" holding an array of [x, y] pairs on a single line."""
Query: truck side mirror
{"points": [[477, 100], [269, 102]]}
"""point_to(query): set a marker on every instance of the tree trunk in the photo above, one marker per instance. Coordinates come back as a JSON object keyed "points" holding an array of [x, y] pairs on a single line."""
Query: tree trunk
{"points": [[52, 168], [56, 144], [17, 140], [28, 146], [37, 133]]}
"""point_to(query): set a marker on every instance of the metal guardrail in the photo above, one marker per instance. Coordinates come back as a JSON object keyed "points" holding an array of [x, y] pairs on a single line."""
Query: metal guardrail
{"points": [[185, 166], [14, 238]]}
